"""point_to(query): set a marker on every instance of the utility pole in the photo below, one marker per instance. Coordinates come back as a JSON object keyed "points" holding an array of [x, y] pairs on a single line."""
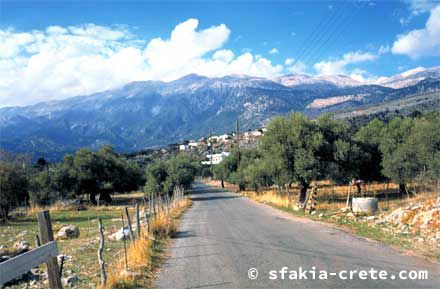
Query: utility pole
{"points": [[238, 142], [210, 151]]}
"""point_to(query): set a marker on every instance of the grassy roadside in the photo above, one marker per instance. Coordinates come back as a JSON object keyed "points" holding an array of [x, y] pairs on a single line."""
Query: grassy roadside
{"points": [[147, 254], [331, 214], [81, 253]]}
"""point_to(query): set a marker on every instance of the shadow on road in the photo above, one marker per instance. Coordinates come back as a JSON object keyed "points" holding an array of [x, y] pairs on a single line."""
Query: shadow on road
{"points": [[183, 234], [210, 198], [211, 285], [205, 191]]}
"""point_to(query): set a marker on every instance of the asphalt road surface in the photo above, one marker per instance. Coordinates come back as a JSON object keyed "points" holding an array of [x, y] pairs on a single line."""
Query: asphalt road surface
{"points": [[224, 235]]}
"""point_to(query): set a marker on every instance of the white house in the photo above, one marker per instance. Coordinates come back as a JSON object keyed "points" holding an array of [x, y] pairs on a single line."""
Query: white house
{"points": [[193, 144], [183, 147], [216, 158]]}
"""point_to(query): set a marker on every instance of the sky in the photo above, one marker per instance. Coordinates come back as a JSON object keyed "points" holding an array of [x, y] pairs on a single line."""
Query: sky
{"points": [[58, 49]]}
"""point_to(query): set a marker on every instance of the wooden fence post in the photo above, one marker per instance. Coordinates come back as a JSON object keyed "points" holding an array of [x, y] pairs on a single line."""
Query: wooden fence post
{"points": [[125, 245], [100, 250], [46, 235], [138, 222], [127, 216]]}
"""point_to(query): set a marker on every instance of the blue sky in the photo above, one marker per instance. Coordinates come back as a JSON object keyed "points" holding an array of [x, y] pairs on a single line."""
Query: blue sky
{"points": [[57, 49]]}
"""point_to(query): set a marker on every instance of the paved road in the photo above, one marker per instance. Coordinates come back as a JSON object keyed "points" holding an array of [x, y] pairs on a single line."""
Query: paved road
{"points": [[223, 235]]}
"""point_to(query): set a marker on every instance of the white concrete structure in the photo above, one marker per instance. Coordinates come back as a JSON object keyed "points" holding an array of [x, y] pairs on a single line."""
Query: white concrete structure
{"points": [[193, 144], [216, 158]]}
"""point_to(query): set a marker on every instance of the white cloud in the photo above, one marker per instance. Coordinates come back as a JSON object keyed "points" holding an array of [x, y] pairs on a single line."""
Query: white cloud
{"points": [[421, 6], [295, 67], [339, 66], [273, 51], [224, 55], [421, 42], [60, 62], [416, 8]]}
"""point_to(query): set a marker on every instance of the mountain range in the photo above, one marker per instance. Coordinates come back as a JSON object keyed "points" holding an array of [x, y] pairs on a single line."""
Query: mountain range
{"points": [[154, 113]]}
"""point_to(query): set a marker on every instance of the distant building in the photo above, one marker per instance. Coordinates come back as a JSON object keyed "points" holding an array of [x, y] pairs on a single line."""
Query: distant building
{"points": [[193, 144], [224, 137], [183, 147], [216, 158], [257, 133]]}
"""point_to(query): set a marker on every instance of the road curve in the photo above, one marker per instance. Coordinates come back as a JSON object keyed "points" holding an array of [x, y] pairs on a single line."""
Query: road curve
{"points": [[223, 235]]}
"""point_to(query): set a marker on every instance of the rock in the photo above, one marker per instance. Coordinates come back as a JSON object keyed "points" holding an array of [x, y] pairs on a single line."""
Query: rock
{"points": [[321, 215], [120, 235], [313, 213], [370, 218], [381, 222], [4, 258], [426, 217], [351, 215], [64, 257], [67, 232], [22, 233], [70, 280], [399, 216], [21, 246], [296, 208]]}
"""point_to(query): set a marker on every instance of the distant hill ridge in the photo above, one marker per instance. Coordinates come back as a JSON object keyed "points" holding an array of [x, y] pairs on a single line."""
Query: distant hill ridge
{"points": [[153, 113]]}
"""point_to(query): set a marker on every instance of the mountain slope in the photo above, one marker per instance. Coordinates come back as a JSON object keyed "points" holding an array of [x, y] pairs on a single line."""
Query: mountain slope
{"points": [[409, 78], [154, 113]]}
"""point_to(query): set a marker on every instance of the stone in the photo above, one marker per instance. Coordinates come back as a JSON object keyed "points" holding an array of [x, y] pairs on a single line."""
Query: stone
{"points": [[70, 280], [321, 215], [21, 246], [370, 218], [351, 215], [120, 235], [397, 217], [381, 222], [67, 232], [64, 257], [426, 217]]}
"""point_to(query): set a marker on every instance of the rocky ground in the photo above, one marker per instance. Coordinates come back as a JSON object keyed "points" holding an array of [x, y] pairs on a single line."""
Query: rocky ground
{"points": [[421, 219], [417, 223]]}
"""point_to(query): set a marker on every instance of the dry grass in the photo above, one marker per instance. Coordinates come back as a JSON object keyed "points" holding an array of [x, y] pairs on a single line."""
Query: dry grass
{"points": [[333, 197], [268, 197], [141, 263]]}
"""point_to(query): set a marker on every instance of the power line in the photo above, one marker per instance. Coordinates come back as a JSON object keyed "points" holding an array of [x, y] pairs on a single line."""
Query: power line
{"points": [[320, 32]]}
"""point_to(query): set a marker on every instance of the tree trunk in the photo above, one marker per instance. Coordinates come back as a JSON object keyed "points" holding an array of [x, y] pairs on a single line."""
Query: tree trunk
{"points": [[303, 187], [358, 189], [93, 198], [280, 191], [223, 184], [403, 190], [4, 212], [105, 197]]}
